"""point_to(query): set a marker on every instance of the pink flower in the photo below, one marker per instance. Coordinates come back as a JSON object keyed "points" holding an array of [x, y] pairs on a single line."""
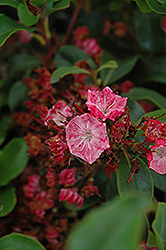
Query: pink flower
{"points": [[105, 104], [154, 130], [71, 196], [86, 137], [33, 185], [67, 177], [58, 113], [80, 34], [157, 157], [25, 36]]}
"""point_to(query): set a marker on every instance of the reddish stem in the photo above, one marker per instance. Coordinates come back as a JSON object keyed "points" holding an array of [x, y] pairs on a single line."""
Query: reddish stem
{"points": [[71, 24], [54, 127]]}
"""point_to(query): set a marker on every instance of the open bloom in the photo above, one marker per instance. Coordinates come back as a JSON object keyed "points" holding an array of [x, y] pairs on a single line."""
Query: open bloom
{"points": [[154, 130], [58, 113], [105, 104], [86, 137], [157, 157]]}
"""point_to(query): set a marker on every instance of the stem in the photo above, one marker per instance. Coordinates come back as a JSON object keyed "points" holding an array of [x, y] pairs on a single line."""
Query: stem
{"points": [[108, 77], [71, 24]]}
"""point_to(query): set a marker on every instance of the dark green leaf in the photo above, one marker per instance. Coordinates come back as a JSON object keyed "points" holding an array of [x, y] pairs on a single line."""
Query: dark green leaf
{"points": [[9, 27], [114, 226], [4, 126], [21, 63], [7, 200], [17, 95], [147, 94], [151, 241], [159, 226], [13, 3], [151, 36], [143, 6], [18, 241], [68, 55], [141, 182], [13, 159], [159, 180], [156, 114], [26, 17], [111, 188], [60, 5], [157, 7], [124, 67], [64, 71], [136, 110], [151, 70]]}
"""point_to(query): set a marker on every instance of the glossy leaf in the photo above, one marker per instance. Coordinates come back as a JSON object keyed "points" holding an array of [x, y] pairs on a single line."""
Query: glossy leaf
{"points": [[7, 200], [157, 7], [17, 95], [143, 6], [26, 17], [18, 241], [141, 182], [60, 5], [9, 27], [69, 54], [136, 110], [159, 226], [156, 113], [64, 71], [13, 159], [124, 67], [110, 64], [112, 226], [159, 180], [147, 94], [150, 38], [13, 3]]}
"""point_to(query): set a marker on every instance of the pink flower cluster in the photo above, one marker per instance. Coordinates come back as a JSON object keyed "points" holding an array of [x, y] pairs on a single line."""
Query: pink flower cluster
{"points": [[155, 132], [88, 45]]}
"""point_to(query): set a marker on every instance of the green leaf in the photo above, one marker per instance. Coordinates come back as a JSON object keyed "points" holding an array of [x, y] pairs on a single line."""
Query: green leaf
{"points": [[13, 159], [17, 95], [7, 200], [20, 63], [13, 3], [147, 94], [152, 69], [68, 55], [4, 126], [124, 67], [141, 182], [136, 110], [159, 180], [156, 114], [157, 7], [159, 226], [114, 226], [111, 188], [110, 64], [151, 37], [143, 6], [60, 5], [9, 27], [64, 71], [26, 17], [18, 241]]}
